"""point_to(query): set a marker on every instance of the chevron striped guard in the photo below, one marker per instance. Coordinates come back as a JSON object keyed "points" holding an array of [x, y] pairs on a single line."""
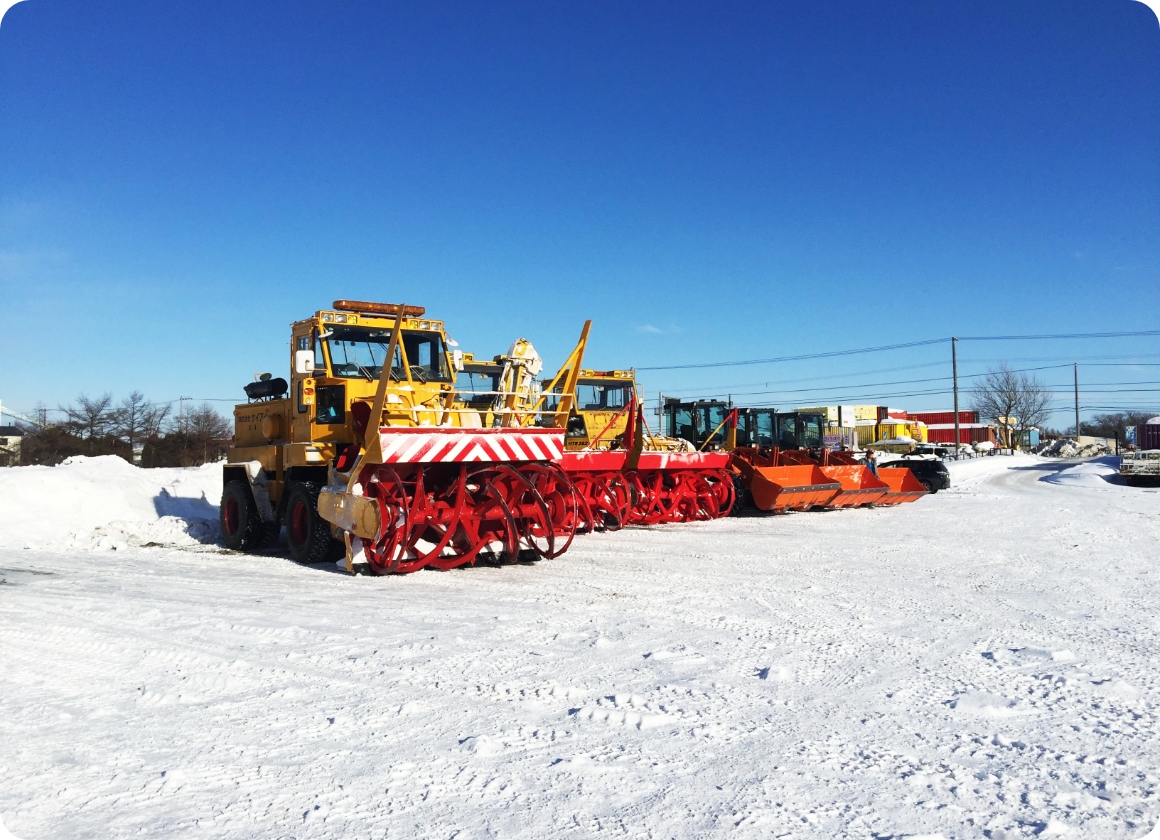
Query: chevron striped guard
{"points": [[425, 445]]}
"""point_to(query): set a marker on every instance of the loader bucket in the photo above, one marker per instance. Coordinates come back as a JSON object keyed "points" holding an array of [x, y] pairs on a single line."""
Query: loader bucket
{"points": [[904, 487], [859, 486], [790, 488]]}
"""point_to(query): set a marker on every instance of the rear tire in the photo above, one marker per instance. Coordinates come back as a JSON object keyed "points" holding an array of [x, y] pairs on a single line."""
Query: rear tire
{"points": [[241, 526], [307, 533]]}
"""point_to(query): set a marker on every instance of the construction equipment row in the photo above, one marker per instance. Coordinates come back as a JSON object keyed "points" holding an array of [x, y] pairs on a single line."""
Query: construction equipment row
{"points": [[391, 447]]}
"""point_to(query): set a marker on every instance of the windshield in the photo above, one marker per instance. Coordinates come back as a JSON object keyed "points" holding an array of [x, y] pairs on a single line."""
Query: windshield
{"points": [[598, 396], [477, 388], [810, 431], [359, 352]]}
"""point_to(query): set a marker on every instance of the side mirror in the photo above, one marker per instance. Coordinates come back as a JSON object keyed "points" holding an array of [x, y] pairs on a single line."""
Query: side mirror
{"points": [[304, 361], [457, 360]]}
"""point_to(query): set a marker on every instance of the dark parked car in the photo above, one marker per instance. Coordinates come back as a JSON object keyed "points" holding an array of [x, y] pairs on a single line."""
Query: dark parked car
{"points": [[932, 473]]}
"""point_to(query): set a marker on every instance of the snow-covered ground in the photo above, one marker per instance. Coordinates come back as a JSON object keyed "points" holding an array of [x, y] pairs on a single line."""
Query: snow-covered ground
{"points": [[982, 663]]}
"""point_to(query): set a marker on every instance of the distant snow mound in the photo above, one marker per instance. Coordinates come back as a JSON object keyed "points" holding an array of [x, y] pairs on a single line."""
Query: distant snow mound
{"points": [[107, 503], [1099, 473], [1064, 448]]}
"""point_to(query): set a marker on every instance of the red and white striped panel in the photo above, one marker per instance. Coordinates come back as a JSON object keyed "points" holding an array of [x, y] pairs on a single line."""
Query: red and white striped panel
{"points": [[426, 445]]}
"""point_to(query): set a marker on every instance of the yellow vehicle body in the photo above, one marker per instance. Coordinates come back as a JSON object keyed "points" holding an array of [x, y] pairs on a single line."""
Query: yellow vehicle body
{"points": [[294, 433], [598, 418]]}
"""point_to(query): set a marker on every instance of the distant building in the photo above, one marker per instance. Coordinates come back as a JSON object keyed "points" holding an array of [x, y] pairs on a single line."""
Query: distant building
{"points": [[10, 437]]}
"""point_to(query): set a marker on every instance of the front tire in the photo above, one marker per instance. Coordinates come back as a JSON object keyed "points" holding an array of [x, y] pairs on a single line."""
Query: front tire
{"points": [[307, 533], [241, 526], [743, 500]]}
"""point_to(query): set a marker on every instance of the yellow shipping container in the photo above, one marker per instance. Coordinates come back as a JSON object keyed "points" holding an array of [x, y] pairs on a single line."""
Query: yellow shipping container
{"points": [[830, 412]]}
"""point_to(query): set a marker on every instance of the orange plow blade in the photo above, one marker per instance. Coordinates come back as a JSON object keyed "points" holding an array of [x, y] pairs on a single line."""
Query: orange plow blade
{"points": [[859, 486], [799, 487], [904, 487]]}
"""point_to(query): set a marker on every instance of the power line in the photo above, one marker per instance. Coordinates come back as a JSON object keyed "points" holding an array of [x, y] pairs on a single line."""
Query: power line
{"points": [[801, 358], [835, 353], [1058, 336]]}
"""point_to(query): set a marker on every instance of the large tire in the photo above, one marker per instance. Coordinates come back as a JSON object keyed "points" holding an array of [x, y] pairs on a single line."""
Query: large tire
{"points": [[743, 502], [241, 525], [307, 533]]}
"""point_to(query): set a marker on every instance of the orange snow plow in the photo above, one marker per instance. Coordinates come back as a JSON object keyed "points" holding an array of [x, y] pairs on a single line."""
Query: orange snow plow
{"points": [[904, 487], [859, 486], [781, 488]]}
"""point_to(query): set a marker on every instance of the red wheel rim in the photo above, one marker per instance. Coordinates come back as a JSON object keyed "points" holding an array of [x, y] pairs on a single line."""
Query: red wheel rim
{"points": [[299, 523], [560, 500], [232, 515]]}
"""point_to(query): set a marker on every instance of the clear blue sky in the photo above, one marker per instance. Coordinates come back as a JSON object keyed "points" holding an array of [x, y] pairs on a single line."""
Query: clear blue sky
{"points": [[707, 182]]}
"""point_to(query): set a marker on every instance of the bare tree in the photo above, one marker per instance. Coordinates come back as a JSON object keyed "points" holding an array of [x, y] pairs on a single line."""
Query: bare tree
{"points": [[207, 428], [205, 422], [128, 420], [154, 419], [1015, 401], [1115, 425], [90, 417]]}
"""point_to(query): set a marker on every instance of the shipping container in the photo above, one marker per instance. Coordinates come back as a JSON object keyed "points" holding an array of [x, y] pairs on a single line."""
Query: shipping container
{"points": [[940, 417], [830, 412], [967, 434], [1148, 436]]}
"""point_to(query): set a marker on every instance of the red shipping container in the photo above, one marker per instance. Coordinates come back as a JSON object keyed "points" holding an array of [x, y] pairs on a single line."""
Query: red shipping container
{"points": [[967, 434], [935, 418]]}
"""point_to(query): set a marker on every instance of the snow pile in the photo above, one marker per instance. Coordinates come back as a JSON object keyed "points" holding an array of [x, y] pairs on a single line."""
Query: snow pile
{"points": [[107, 503], [1099, 474], [1064, 448]]}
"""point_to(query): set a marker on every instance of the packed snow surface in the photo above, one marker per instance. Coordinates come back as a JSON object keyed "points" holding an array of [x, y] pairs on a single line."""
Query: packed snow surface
{"points": [[981, 663]]}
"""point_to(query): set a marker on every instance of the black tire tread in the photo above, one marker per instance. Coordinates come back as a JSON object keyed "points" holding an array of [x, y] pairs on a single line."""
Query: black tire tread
{"points": [[254, 533], [319, 545]]}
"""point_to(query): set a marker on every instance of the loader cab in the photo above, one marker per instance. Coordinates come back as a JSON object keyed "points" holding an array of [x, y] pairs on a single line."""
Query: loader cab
{"points": [[756, 427], [695, 421], [800, 430]]}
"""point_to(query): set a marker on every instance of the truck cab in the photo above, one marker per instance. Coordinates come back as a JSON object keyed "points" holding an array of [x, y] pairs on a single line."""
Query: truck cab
{"points": [[597, 418]]}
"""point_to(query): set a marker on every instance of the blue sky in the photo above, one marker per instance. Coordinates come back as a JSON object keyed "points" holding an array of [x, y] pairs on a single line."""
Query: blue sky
{"points": [[179, 181]]}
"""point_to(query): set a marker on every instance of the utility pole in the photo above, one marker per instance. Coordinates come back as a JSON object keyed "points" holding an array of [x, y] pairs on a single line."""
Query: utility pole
{"points": [[181, 413], [1075, 368], [955, 376]]}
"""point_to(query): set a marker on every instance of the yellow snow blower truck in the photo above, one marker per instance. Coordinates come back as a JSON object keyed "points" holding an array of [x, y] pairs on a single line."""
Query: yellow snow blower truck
{"points": [[368, 452]]}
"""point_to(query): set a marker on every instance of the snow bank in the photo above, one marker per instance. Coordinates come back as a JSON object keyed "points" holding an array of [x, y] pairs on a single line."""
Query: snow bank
{"points": [[1100, 474], [107, 503]]}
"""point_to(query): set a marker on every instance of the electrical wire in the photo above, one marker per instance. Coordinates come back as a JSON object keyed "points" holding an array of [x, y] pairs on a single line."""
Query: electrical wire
{"points": [[905, 345]]}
